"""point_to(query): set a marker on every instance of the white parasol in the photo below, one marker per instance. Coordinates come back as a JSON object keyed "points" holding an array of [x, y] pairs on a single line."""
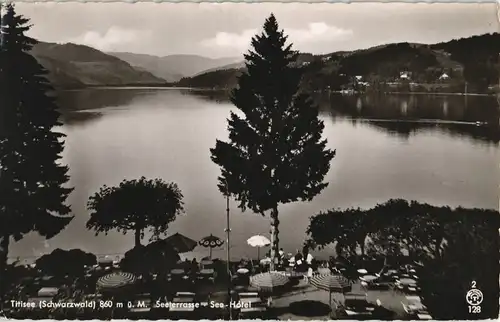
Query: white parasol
{"points": [[258, 241]]}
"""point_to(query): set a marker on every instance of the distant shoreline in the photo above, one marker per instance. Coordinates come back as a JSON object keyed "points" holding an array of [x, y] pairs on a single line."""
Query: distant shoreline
{"points": [[442, 94], [172, 87], [422, 121], [414, 93]]}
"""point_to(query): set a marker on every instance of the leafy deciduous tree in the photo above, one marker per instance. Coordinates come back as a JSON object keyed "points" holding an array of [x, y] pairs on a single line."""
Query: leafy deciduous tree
{"points": [[468, 258], [135, 205], [74, 262], [455, 247], [157, 257]]}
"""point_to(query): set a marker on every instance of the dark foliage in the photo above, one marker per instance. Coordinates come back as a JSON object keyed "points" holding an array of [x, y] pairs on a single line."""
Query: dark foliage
{"points": [[135, 205], [65, 262], [381, 313], [455, 247], [219, 79], [469, 256], [473, 60], [480, 57], [309, 308], [32, 192], [156, 258], [390, 60], [275, 153]]}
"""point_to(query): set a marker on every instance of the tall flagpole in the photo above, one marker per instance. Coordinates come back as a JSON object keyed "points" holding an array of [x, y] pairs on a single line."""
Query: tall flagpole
{"points": [[228, 245]]}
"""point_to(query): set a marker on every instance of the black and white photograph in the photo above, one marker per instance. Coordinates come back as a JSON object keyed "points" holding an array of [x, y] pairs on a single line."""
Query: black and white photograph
{"points": [[226, 161]]}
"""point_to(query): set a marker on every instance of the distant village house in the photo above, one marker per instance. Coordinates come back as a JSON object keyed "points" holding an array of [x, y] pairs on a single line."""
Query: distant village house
{"points": [[404, 75], [444, 77]]}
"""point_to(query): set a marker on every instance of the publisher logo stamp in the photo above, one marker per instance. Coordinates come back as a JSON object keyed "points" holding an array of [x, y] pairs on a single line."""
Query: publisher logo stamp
{"points": [[474, 298]]}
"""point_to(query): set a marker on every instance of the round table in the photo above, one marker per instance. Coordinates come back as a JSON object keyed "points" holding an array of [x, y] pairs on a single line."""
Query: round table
{"points": [[362, 271], [207, 262], [207, 271], [242, 271], [177, 271], [369, 278], [407, 281]]}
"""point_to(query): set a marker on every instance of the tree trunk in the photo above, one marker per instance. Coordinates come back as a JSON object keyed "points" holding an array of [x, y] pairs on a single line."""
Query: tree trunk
{"points": [[4, 251], [362, 246], [137, 237], [274, 237], [437, 249]]}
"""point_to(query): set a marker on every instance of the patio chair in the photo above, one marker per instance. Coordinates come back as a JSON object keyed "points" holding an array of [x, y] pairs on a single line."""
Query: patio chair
{"points": [[253, 305], [380, 286], [414, 305], [357, 302], [254, 312], [207, 275], [48, 292], [183, 297], [406, 309], [144, 304], [246, 295], [424, 316]]}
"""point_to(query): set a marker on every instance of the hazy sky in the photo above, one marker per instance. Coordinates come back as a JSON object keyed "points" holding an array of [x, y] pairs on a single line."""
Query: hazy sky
{"points": [[219, 30]]}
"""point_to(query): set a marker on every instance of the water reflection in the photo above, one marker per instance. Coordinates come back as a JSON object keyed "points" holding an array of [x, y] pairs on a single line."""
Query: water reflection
{"points": [[160, 133], [359, 104], [445, 108], [81, 106], [406, 114], [220, 96], [78, 117], [96, 98], [474, 117], [404, 107]]}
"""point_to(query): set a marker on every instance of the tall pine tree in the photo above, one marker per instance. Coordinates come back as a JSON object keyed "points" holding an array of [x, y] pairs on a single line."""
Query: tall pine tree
{"points": [[32, 195], [275, 154]]}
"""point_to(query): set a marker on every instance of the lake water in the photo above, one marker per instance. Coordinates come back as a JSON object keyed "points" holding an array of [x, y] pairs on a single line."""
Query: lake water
{"points": [[383, 152]]}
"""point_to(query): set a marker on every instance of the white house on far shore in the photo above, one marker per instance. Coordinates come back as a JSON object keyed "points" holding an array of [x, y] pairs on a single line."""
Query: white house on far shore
{"points": [[444, 77]]}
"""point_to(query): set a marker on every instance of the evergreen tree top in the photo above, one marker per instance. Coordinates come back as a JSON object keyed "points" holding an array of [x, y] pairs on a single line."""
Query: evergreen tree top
{"points": [[269, 46], [275, 152], [13, 29], [33, 188]]}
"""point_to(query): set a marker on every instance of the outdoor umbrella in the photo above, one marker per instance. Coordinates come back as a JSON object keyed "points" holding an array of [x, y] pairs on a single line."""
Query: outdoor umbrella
{"points": [[211, 242], [115, 281], [269, 281], [331, 284], [181, 243], [258, 241]]}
